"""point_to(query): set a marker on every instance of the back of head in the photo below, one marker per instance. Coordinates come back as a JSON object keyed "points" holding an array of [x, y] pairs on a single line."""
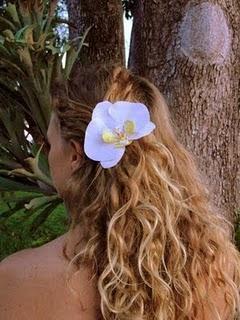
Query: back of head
{"points": [[147, 225]]}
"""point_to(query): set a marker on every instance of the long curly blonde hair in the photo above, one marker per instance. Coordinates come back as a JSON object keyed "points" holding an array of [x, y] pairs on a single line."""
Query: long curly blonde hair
{"points": [[155, 242]]}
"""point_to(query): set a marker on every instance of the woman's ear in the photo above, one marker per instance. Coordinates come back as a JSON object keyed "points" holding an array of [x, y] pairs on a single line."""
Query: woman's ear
{"points": [[76, 154]]}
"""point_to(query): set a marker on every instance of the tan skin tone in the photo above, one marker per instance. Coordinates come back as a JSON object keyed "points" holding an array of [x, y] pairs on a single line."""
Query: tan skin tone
{"points": [[64, 156], [32, 281]]}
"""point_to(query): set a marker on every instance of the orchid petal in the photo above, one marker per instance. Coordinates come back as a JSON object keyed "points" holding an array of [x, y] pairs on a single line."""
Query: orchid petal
{"points": [[101, 111], [122, 111], [149, 127], [114, 126], [94, 147], [112, 163]]}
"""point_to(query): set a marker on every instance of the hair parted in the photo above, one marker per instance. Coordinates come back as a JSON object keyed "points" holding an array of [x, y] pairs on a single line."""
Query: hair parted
{"points": [[154, 240]]}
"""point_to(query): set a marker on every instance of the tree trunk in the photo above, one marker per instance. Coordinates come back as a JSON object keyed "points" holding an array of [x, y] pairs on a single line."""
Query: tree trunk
{"points": [[106, 38], [191, 51]]}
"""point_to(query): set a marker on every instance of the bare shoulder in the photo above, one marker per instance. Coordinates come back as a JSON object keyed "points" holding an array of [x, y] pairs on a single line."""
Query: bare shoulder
{"points": [[22, 282], [12, 266], [32, 283], [14, 258], [32, 262]]}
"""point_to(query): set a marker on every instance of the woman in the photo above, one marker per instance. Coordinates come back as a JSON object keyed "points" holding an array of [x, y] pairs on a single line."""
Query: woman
{"points": [[140, 217], [155, 243]]}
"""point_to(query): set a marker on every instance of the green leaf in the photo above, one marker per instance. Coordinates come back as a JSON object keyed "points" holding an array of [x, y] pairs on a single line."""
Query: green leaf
{"points": [[21, 172], [8, 184], [25, 58], [8, 116], [4, 171], [53, 49], [3, 50], [35, 164], [2, 39], [12, 11], [72, 54], [8, 34], [38, 202], [9, 24], [65, 47], [22, 199], [12, 66], [9, 163], [29, 54], [8, 213], [42, 217], [23, 33]]}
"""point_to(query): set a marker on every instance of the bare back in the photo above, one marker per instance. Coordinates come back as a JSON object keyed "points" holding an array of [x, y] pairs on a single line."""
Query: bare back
{"points": [[44, 292]]}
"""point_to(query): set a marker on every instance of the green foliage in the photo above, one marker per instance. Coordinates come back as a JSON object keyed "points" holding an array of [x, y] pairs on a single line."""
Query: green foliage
{"points": [[30, 61], [16, 233]]}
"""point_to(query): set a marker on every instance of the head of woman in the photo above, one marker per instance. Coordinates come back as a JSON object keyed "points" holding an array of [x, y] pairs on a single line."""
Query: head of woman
{"points": [[147, 226]]}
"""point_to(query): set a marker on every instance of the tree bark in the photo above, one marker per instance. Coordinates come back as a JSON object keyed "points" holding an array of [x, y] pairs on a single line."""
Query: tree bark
{"points": [[191, 51], [106, 38]]}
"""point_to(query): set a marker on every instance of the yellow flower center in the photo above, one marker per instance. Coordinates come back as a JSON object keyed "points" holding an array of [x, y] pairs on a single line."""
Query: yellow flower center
{"points": [[117, 137]]}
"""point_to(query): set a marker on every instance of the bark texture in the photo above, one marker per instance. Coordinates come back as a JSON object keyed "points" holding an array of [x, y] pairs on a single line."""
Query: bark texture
{"points": [[105, 39], [191, 51]]}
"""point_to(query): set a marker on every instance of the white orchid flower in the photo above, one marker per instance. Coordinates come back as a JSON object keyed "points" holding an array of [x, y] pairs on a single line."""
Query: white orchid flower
{"points": [[113, 127]]}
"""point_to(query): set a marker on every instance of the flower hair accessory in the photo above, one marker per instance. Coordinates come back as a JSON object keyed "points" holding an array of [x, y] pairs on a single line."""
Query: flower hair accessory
{"points": [[113, 127]]}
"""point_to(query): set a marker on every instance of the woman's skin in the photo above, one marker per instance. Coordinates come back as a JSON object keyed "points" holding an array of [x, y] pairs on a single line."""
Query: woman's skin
{"points": [[64, 156], [32, 281]]}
